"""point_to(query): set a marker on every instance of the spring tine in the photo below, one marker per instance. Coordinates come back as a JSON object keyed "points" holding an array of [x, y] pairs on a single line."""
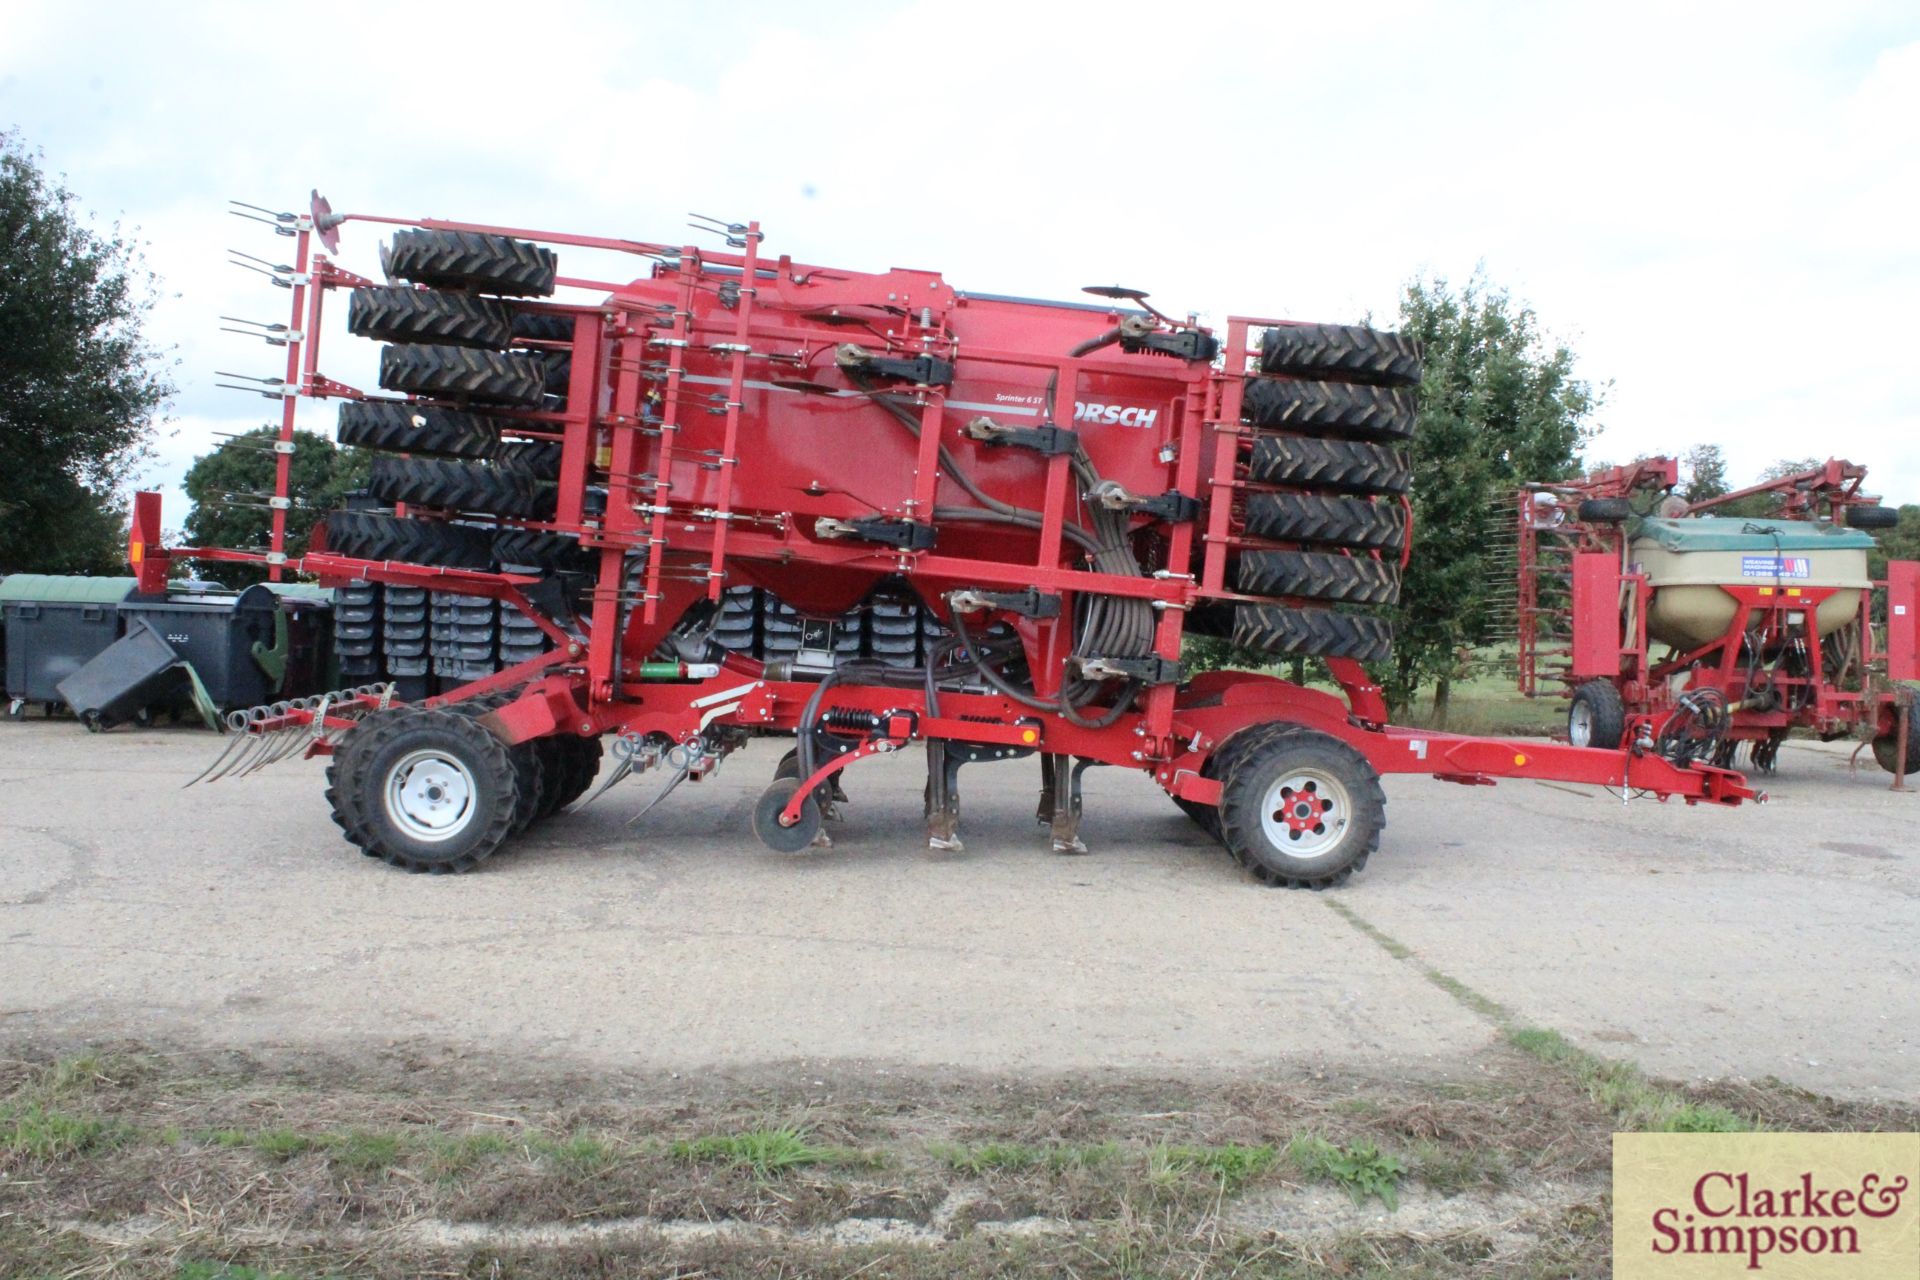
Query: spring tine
{"points": [[619, 773], [677, 779], [257, 747], [249, 743], [233, 743]]}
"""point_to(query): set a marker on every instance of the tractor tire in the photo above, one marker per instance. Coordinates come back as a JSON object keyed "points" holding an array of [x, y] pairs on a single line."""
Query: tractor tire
{"points": [[1597, 717], [542, 326], [529, 760], [1319, 575], [1302, 809], [537, 549], [470, 260], [1341, 353], [559, 372], [422, 429], [1345, 466], [1315, 633], [1604, 511], [430, 791], [1872, 517], [483, 377], [1886, 747], [370, 535], [423, 315], [535, 459], [1206, 816], [1329, 409], [571, 766], [463, 486], [1340, 522]]}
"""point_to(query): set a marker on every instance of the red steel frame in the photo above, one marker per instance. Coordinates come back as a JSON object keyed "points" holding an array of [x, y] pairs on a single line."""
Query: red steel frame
{"points": [[633, 407], [1602, 618]]}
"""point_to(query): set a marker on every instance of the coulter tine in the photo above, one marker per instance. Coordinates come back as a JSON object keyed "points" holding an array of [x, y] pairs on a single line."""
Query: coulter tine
{"points": [[619, 773], [647, 808]]}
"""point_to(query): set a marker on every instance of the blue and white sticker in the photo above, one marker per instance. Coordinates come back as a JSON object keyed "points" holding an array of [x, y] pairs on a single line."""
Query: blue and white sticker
{"points": [[1776, 566]]}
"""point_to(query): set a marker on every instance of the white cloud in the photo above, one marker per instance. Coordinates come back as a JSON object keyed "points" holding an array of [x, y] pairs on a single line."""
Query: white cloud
{"points": [[1712, 202]]}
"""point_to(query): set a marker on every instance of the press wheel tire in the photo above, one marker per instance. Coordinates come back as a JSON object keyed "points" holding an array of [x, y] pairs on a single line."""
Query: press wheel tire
{"points": [[1597, 717], [1386, 414], [470, 260], [766, 818], [370, 535], [484, 377], [1319, 575], [1302, 809], [1341, 353], [542, 326], [579, 765], [1872, 517], [421, 429], [1314, 633], [1346, 466], [431, 790], [1886, 746], [1342, 522], [463, 486], [1604, 510], [540, 550], [425, 315]]}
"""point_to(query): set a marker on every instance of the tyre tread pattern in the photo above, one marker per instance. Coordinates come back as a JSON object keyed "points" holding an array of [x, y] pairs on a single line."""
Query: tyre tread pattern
{"points": [[1345, 466], [371, 535], [1342, 522], [1319, 575], [462, 486], [1341, 353], [1329, 408], [401, 427], [346, 777], [393, 314], [490, 377], [1240, 829], [1314, 633], [470, 260]]}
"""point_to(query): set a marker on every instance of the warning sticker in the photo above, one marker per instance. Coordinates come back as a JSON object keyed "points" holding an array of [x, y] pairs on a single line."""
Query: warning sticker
{"points": [[1776, 566]]}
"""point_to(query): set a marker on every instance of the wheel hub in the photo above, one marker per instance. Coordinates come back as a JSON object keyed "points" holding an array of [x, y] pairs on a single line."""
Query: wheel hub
{"points": [[1306, 813], [1580, 725], [430, 795]]}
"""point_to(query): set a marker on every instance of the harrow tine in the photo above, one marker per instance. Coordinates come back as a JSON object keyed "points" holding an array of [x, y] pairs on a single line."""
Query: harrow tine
{"points": [[663, 793], [619, 773], [236, 735]]}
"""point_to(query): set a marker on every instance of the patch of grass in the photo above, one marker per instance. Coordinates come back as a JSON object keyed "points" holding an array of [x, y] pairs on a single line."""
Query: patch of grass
{"points": [[1362, 1169], [451, 1155], [41, 1130], [576, 1151], [765, 1151], [279, 1144], [196, 1270], [1451, 1170], [1018, 1157], [1637, 1103], [363, 1151], [1230, 1164]]}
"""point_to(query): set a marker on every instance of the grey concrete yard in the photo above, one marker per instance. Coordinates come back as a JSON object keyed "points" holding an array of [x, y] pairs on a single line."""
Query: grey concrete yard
{"points": [[1765, 941]]}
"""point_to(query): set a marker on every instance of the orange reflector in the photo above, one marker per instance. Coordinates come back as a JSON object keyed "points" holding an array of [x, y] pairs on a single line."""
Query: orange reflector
{"points": [[1766, 591], [1519, 759], [1029, 736], [1793, 591], [136, 552]]}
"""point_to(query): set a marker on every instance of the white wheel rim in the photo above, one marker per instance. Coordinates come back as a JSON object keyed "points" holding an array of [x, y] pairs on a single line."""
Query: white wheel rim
{"points": [[1305, 813], [1580, 725], [430, 796]]}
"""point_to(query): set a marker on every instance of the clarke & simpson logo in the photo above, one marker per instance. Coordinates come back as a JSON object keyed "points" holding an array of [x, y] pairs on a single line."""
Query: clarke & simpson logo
{"points": [[1783, 1205]]}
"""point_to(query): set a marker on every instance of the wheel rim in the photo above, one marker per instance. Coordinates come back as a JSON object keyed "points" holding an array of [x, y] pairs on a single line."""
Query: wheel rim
{"points": [[1305, 813], [1580, 725], [430, 796]]}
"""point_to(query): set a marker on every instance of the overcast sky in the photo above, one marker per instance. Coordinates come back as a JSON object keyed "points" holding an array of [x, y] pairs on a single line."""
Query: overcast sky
{"points": [[1715, 205]]}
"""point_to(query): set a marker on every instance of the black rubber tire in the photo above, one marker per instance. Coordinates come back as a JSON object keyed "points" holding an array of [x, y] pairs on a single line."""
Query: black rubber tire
{"points": [[535, 459], [542, 326], [1345, 466], [1206, 816], [538, 549], [559, 372], [572, 765], [1872, 517], [470, 260], [1606, 716], [373, 751], [1315, 633], [529, 759], [1885, 747], [463, 486], [424, 429], [1604, 510], [370, 535], [1270, 762], [1340, 522], [1341, 353], [766, 815], [399, 314], [1330, 409], [1319, 575], [484, 377]]}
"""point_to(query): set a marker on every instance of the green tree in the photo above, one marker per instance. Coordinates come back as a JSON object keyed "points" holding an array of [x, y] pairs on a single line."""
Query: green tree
{"points": [[80, 389], [1705, 468], [1762, 505], [1499, 406], [229, 488]]}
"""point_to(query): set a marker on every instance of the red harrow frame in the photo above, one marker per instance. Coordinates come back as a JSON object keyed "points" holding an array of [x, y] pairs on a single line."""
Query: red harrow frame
{"points": [[732, 418]]}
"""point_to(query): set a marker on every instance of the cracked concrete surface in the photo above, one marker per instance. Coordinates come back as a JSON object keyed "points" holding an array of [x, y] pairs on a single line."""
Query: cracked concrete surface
{"points": [[1765, 941]]}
